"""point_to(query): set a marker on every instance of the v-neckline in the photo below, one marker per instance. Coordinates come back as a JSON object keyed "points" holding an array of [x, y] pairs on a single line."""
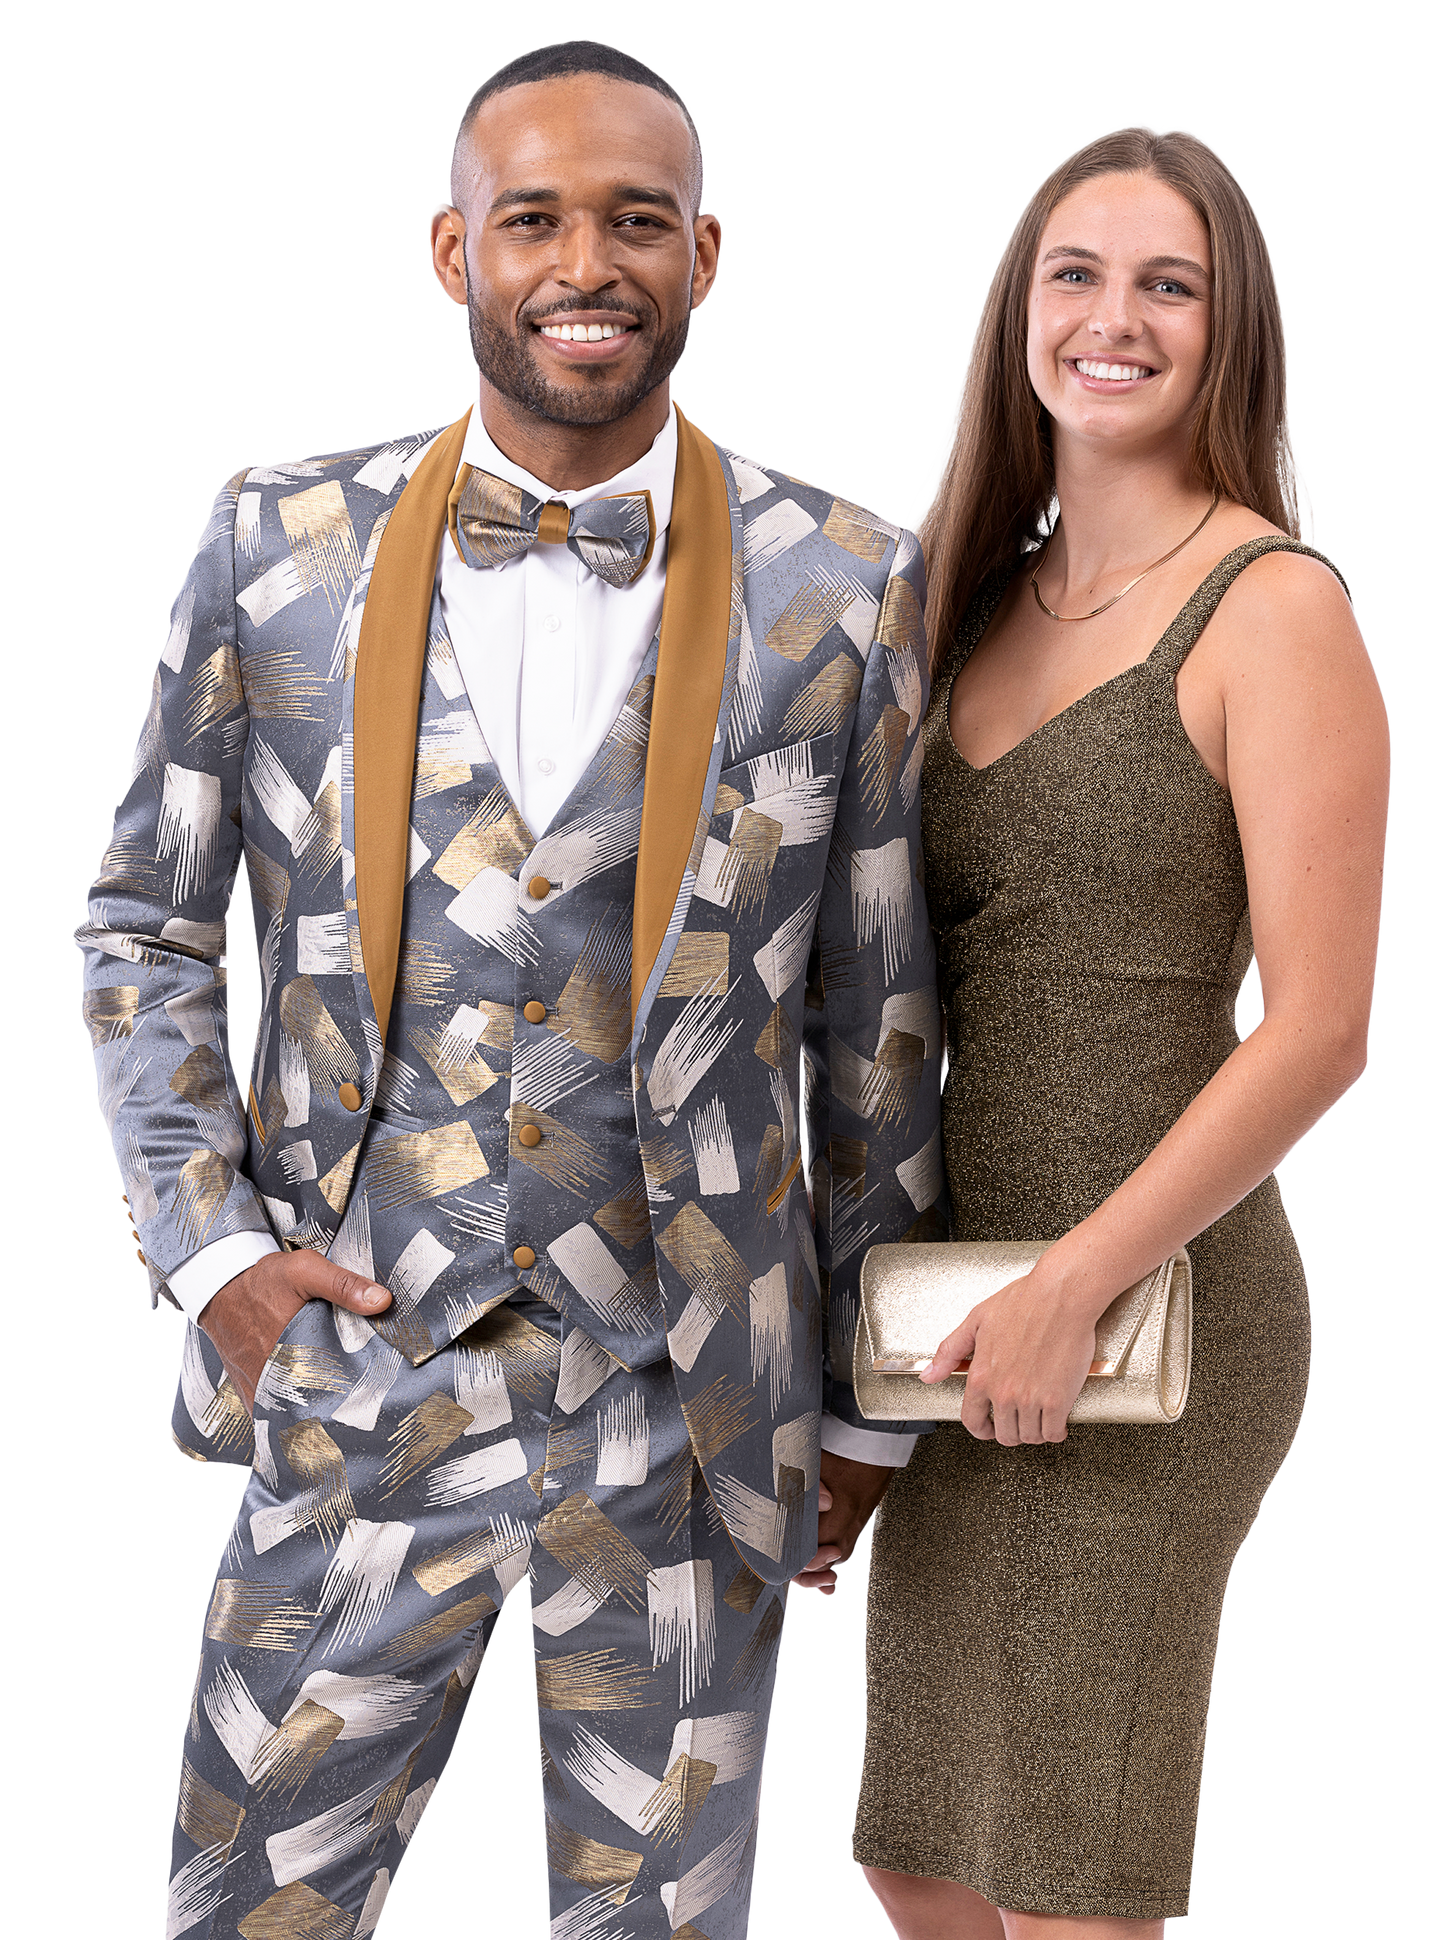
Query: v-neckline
{"points": [[1034, 733], [1089, 694]]}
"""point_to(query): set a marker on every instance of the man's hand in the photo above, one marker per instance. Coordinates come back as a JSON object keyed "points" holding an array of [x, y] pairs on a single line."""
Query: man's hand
{"points": [[847, 1495], [245, 1318]]}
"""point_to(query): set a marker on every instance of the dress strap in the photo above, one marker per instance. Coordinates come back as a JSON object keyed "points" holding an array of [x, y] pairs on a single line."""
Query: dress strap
{"points": [[1199, 609], [976, 618]]}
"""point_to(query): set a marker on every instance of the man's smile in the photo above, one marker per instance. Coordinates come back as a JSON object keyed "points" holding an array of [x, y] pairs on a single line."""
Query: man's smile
{"points": [[587, 337]]}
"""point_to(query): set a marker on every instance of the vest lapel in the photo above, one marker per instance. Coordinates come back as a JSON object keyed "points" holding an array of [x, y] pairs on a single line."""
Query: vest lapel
{"points": [[391, 654], [688, 701]]}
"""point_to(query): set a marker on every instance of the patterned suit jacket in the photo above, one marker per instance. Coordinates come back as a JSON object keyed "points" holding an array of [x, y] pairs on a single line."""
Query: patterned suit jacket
{"points": [[777, 891]]}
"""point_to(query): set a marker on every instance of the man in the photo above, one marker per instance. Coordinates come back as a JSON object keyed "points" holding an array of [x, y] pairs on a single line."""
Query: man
{"points": [[575, 762]]}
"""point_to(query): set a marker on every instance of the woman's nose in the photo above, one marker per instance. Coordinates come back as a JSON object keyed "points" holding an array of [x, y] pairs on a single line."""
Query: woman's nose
{"points": [[1116, 315]]}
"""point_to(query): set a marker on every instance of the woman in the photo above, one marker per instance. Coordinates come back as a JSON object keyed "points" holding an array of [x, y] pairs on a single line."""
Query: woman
{"points": [[1153, 725]]}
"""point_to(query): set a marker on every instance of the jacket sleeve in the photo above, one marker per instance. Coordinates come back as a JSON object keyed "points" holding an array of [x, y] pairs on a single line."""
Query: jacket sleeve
{"points": [[872, 1041], [154, 941]]}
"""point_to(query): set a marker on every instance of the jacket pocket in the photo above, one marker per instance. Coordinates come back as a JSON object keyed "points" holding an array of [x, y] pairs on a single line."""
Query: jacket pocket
{"points": [[210, 1422], [276, 1386]]}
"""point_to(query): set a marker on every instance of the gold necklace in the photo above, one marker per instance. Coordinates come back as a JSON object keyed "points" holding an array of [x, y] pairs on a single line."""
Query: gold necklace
{"points": [[1070, 619]]}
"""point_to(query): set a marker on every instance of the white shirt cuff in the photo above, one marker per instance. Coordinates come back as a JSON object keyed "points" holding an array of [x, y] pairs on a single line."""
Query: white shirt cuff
{"points": [[866, 1444], [206, 1272]]}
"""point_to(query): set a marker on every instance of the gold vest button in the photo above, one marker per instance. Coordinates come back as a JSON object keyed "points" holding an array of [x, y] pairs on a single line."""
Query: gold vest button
{"points": [[524, 1257], [141, 1257], [538, 887], [350, 1097], [534, 1012], [529, 1136]]}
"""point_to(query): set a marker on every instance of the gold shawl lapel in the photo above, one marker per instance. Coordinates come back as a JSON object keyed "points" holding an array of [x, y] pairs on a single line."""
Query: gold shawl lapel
{"points": [[390, 657], [687, 697]]}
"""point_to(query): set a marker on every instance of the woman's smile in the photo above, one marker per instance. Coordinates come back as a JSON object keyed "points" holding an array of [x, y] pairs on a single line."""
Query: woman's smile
{"points": [[1111, 375]]}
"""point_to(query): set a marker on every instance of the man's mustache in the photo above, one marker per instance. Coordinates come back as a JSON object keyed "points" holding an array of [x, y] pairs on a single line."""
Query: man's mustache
{"points": [[547, 312]]}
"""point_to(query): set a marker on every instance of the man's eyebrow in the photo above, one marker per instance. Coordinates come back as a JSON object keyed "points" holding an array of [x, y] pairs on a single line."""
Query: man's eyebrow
{"points": [[513, 198], [1152, 263], [653, 198]]}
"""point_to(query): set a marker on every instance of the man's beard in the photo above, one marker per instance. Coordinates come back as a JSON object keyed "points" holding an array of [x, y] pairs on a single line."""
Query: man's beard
{"points": [[510, 365]]}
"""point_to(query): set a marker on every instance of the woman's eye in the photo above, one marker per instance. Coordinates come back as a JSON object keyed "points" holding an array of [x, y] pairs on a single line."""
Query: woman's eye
{"points": [[1170, 287], [1075, 276]]}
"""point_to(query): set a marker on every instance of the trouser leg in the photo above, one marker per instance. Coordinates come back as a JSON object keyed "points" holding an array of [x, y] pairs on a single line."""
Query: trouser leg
{"points": [[656, 1649], [391, 1509]]}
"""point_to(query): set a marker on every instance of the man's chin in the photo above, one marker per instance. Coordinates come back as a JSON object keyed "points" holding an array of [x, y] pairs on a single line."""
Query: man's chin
{"points": [[592, 400], [585, 406]]}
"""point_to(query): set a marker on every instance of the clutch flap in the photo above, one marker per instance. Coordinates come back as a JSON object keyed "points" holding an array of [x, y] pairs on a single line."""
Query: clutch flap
{"points": [[911, 1296], [1117, 1327]]}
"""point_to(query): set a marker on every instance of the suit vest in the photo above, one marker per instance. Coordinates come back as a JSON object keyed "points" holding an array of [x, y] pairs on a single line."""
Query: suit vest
{"points": [[502, 1150]]}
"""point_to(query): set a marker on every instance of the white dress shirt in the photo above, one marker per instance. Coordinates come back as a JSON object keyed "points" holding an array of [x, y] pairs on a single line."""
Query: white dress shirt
{"points": [[548, 652]]}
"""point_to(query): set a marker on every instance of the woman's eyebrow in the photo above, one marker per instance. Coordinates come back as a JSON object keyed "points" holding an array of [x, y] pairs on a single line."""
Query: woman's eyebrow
{"points": [[1151, 263]]}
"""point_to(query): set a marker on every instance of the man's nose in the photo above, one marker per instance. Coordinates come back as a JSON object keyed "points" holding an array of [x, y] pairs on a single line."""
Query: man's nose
{"points": [[584, 262]]}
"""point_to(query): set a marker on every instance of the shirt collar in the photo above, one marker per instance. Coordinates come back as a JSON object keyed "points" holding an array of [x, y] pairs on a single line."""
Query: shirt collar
{"points": [[653, 471]]}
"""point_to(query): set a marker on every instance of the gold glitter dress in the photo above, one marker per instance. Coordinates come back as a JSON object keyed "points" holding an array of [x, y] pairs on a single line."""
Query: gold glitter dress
{"points": [[1042, 1620]]}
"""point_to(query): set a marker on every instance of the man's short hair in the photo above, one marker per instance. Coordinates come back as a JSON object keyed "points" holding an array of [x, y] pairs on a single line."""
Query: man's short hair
{"points": [[575, 57]]}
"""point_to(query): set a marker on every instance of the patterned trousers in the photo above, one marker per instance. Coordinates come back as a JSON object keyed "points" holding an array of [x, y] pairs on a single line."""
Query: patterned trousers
{"points": [[390, 1510]]}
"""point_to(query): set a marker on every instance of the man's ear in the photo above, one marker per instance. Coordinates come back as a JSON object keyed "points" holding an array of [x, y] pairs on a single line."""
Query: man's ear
{"points": [[707, 241], [448, 245]]}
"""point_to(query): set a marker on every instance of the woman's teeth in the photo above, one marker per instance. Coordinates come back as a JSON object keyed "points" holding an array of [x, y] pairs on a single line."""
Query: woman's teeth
{"points": [[1111, 373], [582, 333]]}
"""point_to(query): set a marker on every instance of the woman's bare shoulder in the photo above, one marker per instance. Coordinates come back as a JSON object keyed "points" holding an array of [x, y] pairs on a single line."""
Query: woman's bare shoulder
{"points": [[1290, 598]]}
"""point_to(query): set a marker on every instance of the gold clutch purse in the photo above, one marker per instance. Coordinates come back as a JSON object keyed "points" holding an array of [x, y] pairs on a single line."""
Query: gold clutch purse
{"points": [[912, 1296]]}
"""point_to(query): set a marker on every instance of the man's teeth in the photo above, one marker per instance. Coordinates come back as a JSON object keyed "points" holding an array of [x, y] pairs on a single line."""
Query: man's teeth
{"points": [[1113, 373], [582, 333]]}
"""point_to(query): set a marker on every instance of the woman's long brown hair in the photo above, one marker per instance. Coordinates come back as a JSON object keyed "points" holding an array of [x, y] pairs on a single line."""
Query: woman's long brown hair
{"points": [[998, 487]]}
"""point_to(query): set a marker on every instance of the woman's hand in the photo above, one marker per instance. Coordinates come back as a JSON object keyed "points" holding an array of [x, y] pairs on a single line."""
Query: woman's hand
{"points": [[1029, 1347]]}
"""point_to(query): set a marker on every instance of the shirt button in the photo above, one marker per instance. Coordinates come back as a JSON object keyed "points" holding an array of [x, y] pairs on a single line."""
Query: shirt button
{"points": [[538, 888], [523, 1257], [529, 1136], [546, 767], [550, 623], [349, 1096], [534, 1012]]}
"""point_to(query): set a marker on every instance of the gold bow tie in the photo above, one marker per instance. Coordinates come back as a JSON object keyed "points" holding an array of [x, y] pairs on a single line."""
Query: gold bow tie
{"points": [[492, 522]]}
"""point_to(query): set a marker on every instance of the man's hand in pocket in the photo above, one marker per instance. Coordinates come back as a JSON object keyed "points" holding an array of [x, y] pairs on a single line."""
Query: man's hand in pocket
{"points": [[247, 1316]]}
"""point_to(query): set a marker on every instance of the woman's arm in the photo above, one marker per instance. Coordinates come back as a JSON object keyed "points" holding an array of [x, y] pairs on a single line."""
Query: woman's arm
{"points": [[1286, 694]]}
